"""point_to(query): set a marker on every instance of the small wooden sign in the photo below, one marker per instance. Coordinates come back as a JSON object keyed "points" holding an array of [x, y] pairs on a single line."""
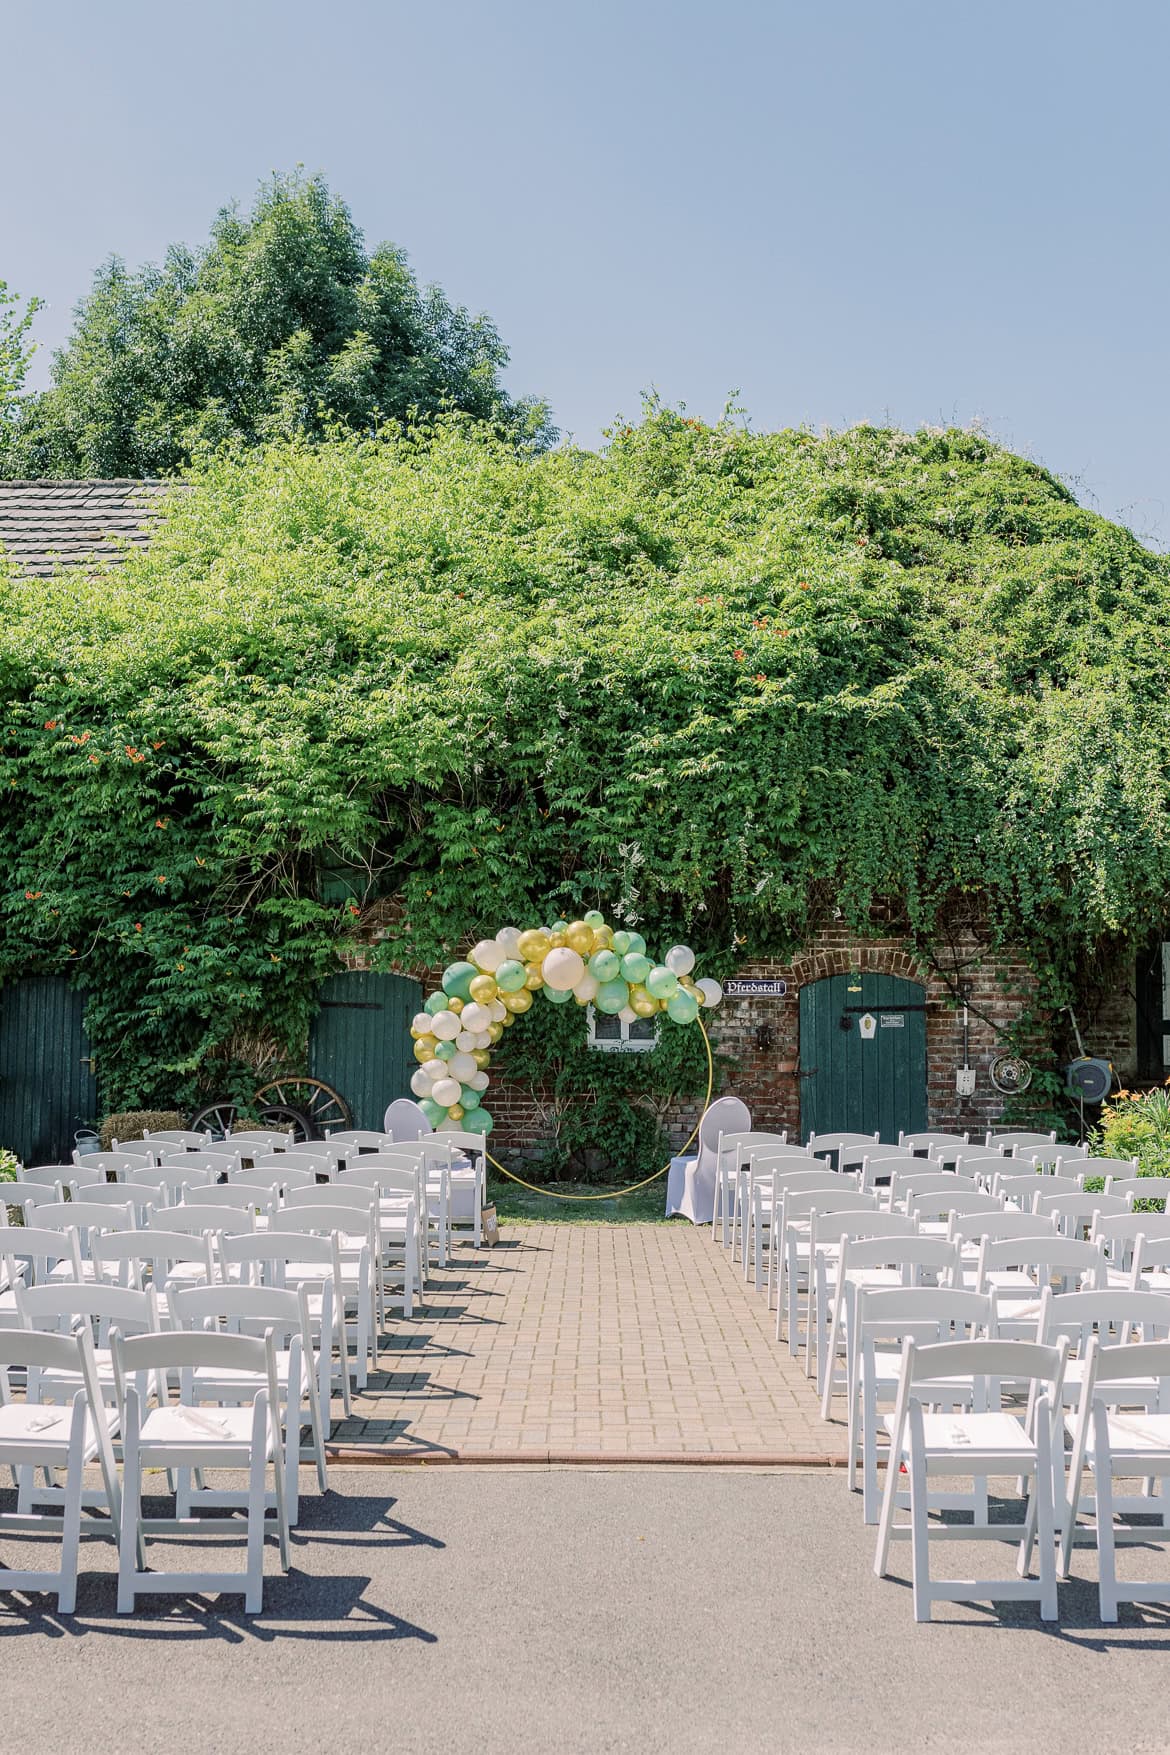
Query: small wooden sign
{"points": [[749, 988]]}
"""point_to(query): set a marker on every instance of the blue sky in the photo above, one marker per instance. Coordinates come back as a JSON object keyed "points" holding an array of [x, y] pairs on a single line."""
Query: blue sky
{"points": [[842, 210]]}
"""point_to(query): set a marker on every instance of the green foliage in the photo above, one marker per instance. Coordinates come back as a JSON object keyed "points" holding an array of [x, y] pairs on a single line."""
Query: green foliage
{"points": [[710, 680], [282, 324], [15, 353], [1136, 1124], [9, 1165], [606, 1112]]}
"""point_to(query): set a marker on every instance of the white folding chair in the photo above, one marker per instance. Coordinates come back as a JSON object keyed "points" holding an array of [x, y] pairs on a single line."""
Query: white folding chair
{"points": [[113, 1166], [940, 1147], [26, 1197], [284, 1313], [123, 1258], [792, 1177], [1121, 1428], [834, 1237], [318, 1162], [241, 1195], [56, 1438], [170, 1138], [188, 1436], [1139, 1188], [904, 1183], [828, 1145], [85, 1219], [399, 1192], [755, 1167], [799, 1217], [360, 1139], [468, 1177], [172, 1181], [299, 1263], [1009, 1143], [979, 1438], [1075, 1213], [353, 1289], [880, 1318], [60, 1175], [1017, 1270], [30, 1255], [1021, 1190], [276, 1139], [65, 1308]]}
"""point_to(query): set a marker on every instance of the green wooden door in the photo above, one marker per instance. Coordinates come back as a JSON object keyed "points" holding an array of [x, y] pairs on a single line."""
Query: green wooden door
{"points": [[855, 1082], [47, 1086], [360, 1042]]}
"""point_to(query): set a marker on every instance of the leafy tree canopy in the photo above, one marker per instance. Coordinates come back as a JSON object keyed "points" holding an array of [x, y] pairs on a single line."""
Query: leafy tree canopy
{"points": [[282, 325], [15, 353], [724, 681]]}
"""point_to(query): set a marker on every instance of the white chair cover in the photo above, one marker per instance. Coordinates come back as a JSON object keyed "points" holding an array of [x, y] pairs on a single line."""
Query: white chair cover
{"points": [[690, 1186], [404, 1121]]}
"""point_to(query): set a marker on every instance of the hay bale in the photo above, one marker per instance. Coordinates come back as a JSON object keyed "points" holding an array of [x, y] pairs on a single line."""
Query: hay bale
{"points": [[131, 1124]]}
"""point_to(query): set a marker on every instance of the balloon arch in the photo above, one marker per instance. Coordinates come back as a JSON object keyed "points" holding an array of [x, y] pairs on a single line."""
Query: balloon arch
{"points": [[586, 961]]}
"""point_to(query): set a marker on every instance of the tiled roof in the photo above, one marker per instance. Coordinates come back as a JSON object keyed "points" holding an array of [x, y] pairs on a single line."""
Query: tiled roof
{"points": [[49, 523]]}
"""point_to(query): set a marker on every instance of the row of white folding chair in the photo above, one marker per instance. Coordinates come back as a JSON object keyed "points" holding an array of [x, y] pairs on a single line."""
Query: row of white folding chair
{"points": [[460, 1155], [770, 1177], [303, 1372], [183, 1436], [757, 1162], [1121, 1426], [729, 1153]]}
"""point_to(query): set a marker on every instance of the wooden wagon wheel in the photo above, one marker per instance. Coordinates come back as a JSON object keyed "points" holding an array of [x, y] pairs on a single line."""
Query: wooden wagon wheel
{"points": [[320, 1105]]}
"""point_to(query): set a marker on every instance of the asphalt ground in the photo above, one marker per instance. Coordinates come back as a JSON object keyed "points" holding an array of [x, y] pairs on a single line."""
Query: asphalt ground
{"points": [[571, 1610]]}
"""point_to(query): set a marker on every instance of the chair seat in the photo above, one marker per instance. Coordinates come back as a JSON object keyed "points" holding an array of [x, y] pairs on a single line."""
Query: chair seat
{"points": [[47, 1428], [209, 1379], [957, 1435], [180, 1427], [1133, 1435]]}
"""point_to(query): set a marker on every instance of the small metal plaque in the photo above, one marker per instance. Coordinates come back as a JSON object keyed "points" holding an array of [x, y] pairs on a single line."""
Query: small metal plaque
{"points": [[893, 1020]]}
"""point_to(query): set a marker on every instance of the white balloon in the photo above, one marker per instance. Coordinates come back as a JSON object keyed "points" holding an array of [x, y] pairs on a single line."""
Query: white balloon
{"points": [[508, 939], [422, 1022], [710, 990], [586, 988], [487, 955], [475, 1017], [435, 1069], [563, 970], [446, 1026], [446, 1092], [498, 1010], [628, 1015], [679, 959], [479, 1081], [461, 1067], [465, 1041], [420, 1084], [483, 1039]]}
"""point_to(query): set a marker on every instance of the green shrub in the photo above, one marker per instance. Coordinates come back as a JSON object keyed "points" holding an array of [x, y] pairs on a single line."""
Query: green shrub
{"points": [[9, 1165], [1136, 1124]]}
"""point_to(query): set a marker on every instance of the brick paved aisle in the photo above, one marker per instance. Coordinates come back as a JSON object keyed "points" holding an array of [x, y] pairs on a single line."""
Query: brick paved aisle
{"points": [[576, 1340]]}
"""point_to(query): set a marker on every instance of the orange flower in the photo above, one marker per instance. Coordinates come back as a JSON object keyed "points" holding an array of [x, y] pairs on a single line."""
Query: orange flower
{"points": [[199, 861], [161, 822], [181, 967], [138, 926], [738, 654], [161, 878], [272, 957], [50, 725], [158, 745], [760, 677], [353, 909], [95, 759], [805, 587], [33, 895]]}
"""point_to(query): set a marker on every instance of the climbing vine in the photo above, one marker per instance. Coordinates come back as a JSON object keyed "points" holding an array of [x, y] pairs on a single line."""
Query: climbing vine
{"points": [[734, 680]]}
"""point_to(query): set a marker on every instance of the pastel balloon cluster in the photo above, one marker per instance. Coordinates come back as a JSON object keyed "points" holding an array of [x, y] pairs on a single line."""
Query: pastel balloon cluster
{"points": [[582, 960]]}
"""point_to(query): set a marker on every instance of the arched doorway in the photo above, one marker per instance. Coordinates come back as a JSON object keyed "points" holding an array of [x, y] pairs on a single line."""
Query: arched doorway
{"points": [[859, 1077]]}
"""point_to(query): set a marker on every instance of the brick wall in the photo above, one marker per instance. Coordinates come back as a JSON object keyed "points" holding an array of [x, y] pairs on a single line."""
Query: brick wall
{"points": [[998, 989]]}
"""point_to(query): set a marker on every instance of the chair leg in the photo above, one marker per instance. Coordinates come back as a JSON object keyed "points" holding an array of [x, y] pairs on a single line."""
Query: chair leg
{"points": [[1106, 1543], [1045, 1527], [71, 1529], [919, 1527], [131, 1545], [257, 1500]]}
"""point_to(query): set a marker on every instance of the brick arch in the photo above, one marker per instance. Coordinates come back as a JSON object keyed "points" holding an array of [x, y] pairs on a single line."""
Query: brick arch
{"points": [[869, 959]]}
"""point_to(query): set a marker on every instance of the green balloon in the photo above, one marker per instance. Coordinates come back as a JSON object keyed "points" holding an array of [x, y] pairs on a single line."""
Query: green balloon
{"points": [[637, 942], [661, 983], [557, 995], [434, 1112], [612, 997], [477, 1121], [468, 1098], [445, 1051], [436, 1003], [558, 926], [511, 976], [594, 919], [636, 966], [606, 965], [458, 978], [682, 1007], [621, 942]]}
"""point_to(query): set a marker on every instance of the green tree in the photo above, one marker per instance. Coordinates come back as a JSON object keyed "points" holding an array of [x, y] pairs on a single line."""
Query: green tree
{"points": [[282, 326], [15, 353]]}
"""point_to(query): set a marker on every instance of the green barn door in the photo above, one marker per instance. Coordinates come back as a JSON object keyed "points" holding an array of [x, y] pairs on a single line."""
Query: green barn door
{"points": [[360, 1042], [47, 1088], [859, 1084]]}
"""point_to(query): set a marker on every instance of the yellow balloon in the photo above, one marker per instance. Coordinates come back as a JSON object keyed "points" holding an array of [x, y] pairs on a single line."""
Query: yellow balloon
{"points": [[495, 1031], [417, 1033], [483, 989], [509, 1017], [519, 1001], [454, 1005], [556, 941], [456, 1112], [579, 938], [533, 945], [641, 1002], [424, 1049], [603, 938], [482, 1056], [534, 980]]}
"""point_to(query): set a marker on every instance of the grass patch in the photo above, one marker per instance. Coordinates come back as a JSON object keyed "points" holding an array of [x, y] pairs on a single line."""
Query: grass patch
{"points": [[520, 1206]]}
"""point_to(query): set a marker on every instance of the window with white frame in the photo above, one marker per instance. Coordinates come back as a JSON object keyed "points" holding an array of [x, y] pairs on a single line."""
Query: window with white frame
{"points": [[614, 1034]]}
